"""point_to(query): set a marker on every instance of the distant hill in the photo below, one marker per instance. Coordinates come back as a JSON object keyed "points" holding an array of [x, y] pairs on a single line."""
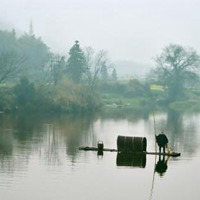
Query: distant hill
{"points": [[127, 68]]}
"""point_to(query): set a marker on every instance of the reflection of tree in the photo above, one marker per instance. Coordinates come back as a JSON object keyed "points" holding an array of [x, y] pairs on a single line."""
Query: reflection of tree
{"points": [[24, 126], [124, 113], [16, 137], [174, 126], [51, 144], [182, 132], [59, 133], [76, 129], [174, 122], [25, 135], [12, 155], [6, 150], [5, 144]]}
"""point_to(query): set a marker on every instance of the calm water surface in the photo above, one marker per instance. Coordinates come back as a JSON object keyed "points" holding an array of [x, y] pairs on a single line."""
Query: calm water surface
{"points": [[40, 160]]}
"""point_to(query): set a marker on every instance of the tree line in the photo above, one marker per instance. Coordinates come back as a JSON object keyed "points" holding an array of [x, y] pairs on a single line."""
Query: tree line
{"points": [[32, 78]]}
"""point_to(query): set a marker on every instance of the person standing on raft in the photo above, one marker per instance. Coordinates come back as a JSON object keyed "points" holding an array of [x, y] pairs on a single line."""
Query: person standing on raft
{"points": [[162, 142]]}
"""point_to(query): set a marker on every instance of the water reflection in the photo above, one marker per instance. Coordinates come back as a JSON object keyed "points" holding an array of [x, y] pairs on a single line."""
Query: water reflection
{"points": [[6, 145], [124, 113], [51, 137], [25, 135], [131, 159], [100, 154], [174, 122], [183, 131], [46, 148], [161, 165]]}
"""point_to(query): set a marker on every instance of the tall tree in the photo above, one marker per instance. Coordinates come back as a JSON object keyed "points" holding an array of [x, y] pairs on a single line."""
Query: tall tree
{"points": [[176, 66], [37, 56], [95, 62], [8, 41], [114, 75], [76, 65], [57, 68], [104, 72], [11, 58]]}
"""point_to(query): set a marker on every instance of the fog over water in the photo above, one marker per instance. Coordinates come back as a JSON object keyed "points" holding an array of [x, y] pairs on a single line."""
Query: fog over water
{"points": [[134, 30]]}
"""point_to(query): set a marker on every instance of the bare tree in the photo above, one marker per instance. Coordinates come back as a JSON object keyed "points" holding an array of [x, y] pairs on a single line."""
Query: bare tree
{"points": [[10, 65], [57, 68], [95, 63]]}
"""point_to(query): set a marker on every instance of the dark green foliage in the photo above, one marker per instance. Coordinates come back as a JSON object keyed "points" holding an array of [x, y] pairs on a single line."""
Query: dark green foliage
{"points": [[76, 65], [65, 97], [37, 56], [73, 98], [25, 94]]}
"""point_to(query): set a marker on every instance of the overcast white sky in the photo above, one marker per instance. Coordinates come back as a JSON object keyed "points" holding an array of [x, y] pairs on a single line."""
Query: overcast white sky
{"points": [[129, 29]]}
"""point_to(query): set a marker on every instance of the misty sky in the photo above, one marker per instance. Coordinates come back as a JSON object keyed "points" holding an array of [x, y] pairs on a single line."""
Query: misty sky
{"points": [[128, 29]]}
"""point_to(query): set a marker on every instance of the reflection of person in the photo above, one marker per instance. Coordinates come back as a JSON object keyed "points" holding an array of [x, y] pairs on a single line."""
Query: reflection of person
{"points": [[161, 165], [162, 142]]}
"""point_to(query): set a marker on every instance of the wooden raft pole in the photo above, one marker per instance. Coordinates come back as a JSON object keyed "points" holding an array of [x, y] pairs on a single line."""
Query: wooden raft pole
{"points": [[96, 149], [172, 154]]}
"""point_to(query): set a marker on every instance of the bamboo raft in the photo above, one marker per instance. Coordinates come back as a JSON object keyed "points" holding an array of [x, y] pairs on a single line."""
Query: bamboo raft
{"points": [[172, 154], [129, 145]]}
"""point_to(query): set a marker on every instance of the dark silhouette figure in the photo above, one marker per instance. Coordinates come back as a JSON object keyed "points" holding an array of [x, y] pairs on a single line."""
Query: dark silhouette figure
{"points": [[162, 142], [161, 165]]}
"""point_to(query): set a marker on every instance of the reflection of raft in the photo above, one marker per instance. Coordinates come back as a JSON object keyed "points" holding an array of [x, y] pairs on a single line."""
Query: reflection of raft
{"points": [[130, 159], [172, 154]]}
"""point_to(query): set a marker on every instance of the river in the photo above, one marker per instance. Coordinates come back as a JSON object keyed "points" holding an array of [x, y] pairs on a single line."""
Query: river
{"points": [[40, 159]]}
